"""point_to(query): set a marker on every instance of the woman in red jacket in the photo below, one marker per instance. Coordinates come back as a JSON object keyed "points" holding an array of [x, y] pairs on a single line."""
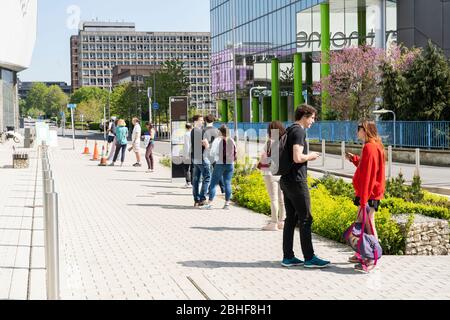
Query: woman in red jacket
{"points": [[369, 180]]}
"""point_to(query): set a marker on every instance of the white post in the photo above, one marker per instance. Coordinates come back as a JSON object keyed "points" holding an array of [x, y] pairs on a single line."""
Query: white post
{"points": [[417, 162], [73, 129], [52, 245], [390, 162], [323, 152], [343, 154]]}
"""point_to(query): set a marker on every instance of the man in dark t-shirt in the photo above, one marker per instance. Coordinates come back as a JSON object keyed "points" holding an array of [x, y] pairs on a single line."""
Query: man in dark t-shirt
{"points": [[296, 193]]}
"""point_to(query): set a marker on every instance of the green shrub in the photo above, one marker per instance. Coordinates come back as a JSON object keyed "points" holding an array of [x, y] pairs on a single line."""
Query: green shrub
{"points": [[400, 206], [166, 161], [95, 126], [250, 192], [336, 186], [435, 200], [396, 188]]}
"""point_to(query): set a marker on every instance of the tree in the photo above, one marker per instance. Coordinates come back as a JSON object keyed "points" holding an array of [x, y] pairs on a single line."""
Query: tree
{"points": [[43, 100], [353, 84], [92, 110], [89, 93], [37, 97], [56, 101]]}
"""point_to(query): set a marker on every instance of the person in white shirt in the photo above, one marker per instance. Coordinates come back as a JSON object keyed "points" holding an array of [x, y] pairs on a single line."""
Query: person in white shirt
{"points": [[187, 163], [136, 141]]}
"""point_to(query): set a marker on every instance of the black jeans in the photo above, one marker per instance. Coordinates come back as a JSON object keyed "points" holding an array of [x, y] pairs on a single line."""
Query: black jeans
{"points": [[149, 156], [298, 209], [119, 147]]}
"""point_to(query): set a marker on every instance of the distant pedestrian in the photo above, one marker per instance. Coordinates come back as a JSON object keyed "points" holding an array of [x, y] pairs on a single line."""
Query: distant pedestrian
{"points": [[211, 133], [275, 131], [296, 192], [369, 180], [187, 164], [201, 164], [136, 141], [112, 152], [121, 141], [149, 143], [111, 132], [224, 153]]}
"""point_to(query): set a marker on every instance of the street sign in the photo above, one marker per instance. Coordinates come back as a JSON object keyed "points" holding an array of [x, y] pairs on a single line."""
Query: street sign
{"points": [[156, 106], [149, 92], [72, 106]]}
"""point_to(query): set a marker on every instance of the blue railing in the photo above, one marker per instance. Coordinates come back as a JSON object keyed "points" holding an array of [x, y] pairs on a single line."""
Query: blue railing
{"points": [[408, 134]]}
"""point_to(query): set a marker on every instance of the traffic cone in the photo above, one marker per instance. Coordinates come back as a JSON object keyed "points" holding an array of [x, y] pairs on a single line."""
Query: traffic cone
{"points": [[103, 160], [95, 157], [86, 148]]}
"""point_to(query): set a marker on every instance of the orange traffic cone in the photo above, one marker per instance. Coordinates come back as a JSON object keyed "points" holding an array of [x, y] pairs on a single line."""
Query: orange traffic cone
{"points": [[86, 148], [103, 160], [95, 157]]}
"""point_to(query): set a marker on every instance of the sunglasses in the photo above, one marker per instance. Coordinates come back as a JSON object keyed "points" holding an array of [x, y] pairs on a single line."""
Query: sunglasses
{"points": [[360, 127]]}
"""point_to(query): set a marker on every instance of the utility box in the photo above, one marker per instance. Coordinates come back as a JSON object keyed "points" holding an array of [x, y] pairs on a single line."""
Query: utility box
{"points": [[21, 161]]}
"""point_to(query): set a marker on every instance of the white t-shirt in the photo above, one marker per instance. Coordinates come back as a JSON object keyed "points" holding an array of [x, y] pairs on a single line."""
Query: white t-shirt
{"points": [[136, 135]]}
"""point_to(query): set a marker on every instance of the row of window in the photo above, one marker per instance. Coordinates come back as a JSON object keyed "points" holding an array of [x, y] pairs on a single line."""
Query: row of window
{"points": [[140, 47], [146, 39], [165, 56], [107, 81], [112, 64]]}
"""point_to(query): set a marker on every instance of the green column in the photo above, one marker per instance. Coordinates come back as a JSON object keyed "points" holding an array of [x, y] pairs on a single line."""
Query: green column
{"points": [[325, 49], [275, 90], [362, 20], [298, 80], [284, 109], [224, 110], [255, 109], [267, 110], [239, 109], [309, 75]]}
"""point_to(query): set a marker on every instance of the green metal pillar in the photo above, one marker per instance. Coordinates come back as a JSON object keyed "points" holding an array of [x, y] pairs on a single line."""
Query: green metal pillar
{"points": [[284, 109], [275, 90], [298, 80], [239, 110], [309, 75], [362, 22], [267, 109], [255, 109], [325, 48], [224, 110]]}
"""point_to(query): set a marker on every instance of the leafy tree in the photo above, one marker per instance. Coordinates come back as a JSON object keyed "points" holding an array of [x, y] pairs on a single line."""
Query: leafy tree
{"points": [[92, 110], [56, 101], [37, 97], [43, 100], [89, 93]]}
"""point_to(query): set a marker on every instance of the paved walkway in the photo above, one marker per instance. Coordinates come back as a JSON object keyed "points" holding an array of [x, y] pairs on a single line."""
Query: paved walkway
{"points": [[125, 234]]}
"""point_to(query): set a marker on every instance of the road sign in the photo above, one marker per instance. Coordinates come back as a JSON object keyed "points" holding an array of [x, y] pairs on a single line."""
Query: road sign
{"points": [[150, 92], [72, 106], [156, 106]]}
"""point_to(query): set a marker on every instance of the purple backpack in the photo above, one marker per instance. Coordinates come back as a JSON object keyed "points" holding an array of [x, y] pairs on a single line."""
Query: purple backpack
{"points": [[365, 245]]}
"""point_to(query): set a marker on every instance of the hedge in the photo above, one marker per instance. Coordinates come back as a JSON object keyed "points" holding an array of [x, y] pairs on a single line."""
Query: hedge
{"points": [[332, 214]]}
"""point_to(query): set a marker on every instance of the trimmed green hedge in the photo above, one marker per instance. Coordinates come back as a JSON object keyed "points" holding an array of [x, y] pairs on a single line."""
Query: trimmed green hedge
{"points": [[400, 206], [332, 214]]}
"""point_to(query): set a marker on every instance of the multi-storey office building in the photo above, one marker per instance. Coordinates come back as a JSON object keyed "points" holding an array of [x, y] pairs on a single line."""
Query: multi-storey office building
{"points": [[100, 46], [18, 24], [283, 45]]}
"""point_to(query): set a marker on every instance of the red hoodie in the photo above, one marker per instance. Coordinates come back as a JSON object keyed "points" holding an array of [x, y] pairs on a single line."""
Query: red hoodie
{"points": [[369, 180]]}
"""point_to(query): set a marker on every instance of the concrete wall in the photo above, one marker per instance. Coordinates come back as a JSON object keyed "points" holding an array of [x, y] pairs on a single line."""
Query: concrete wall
{"points": [[2, 127], [427, 157]]}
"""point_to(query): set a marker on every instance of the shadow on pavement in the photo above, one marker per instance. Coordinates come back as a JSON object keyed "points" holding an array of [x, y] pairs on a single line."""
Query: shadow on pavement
{"points": [[163, 206], [7, 167], [164, 187], [226, 229]]}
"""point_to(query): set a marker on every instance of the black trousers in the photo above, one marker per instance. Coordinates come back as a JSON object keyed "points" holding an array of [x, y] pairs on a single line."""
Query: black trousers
{"points": [[298, 210]]}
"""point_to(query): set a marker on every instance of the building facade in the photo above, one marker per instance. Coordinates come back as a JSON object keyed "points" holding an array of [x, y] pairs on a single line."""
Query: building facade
{"points": [[283, 46], [101, 46], [18, 25], [25, 87]]}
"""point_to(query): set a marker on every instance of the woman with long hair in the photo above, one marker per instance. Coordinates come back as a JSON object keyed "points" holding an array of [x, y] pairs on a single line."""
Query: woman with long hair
{"points": [[369, 180], [149, 140], [275, 131], [121, 141]]}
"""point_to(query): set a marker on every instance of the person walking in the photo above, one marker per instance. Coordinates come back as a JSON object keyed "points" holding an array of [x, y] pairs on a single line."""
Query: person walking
{"points": [[113, 126], [224, 153], [121, 141], [149, 142], [369, 180], [296, 192], [211, 133], [136, 141], [275, 130], [187, 164], [201, 164]]}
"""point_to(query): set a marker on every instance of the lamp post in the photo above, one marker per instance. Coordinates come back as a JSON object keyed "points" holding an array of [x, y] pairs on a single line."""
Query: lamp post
{"points": [[384, 111], [259, 88]]}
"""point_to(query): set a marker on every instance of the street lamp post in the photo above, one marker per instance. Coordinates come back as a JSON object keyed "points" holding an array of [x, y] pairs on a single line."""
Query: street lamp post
{"points": [[384, 111], [251, 98]]}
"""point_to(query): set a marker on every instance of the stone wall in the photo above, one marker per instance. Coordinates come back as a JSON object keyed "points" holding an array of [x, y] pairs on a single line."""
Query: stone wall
{"points": [[426, 236]]}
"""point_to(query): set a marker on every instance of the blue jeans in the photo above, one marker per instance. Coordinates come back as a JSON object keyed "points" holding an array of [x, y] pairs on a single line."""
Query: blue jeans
{"points": [[201, 170], [225, 172]]}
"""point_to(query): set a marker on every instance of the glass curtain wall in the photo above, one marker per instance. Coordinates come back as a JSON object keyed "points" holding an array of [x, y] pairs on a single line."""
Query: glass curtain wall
{"points": [[8, 104]]}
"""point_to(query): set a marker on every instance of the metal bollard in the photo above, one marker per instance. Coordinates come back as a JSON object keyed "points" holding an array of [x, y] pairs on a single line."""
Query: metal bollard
{"points": [[390, 162], [323, 152], [417, 163], [52, 246], [343, 154]]}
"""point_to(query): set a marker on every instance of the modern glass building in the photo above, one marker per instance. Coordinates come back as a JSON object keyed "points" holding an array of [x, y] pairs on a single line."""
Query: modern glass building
{"points": [[284, 45]]}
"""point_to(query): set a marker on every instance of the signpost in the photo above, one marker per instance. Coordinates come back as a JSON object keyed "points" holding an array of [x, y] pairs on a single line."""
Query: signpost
{"points": [[150, 94], [63, 122], [72, 107], [178, 109]]}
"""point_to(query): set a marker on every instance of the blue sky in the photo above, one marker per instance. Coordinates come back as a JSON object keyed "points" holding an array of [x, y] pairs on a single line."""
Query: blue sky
{"points": [[51, 58]]}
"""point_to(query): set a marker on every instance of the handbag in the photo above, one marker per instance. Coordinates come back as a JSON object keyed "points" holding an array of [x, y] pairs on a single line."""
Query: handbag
{"points": [[366, 246]]}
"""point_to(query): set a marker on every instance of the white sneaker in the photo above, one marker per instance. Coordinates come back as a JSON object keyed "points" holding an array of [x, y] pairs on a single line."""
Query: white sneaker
{"points": [[271, 226], [188, 186], [281, 225]]}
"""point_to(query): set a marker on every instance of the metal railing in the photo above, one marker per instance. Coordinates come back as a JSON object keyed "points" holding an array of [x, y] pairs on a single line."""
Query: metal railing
{"points": [[50, 198]]}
